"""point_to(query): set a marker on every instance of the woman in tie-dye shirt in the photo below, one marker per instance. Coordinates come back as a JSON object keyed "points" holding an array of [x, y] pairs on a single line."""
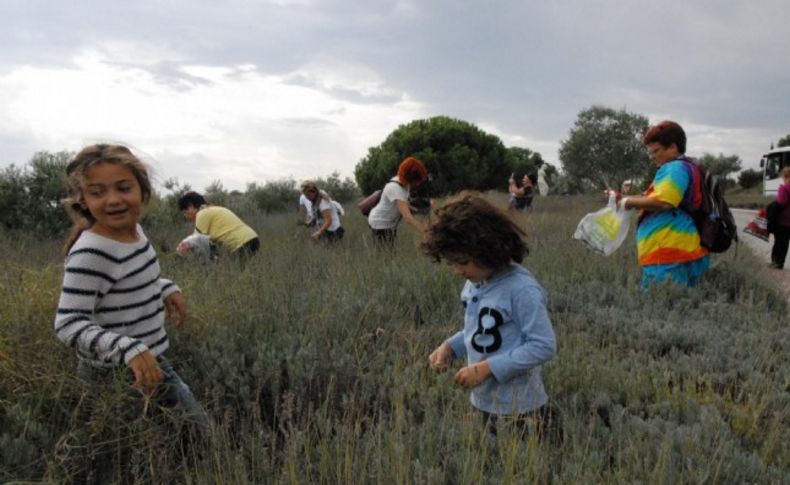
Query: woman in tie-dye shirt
{"points": [[668, 244]]}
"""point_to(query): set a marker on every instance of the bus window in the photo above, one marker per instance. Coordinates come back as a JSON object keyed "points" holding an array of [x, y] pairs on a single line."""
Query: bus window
{"points": [[773, 164]]}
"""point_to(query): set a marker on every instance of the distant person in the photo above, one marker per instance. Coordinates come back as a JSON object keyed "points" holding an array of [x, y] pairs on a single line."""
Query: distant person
{"points": [[324, 213], [394, 204], [220, 224], [113, 302], [543, 186], [507, 334], [668, 243], [306, 207], [521, 196], [781, 227]]}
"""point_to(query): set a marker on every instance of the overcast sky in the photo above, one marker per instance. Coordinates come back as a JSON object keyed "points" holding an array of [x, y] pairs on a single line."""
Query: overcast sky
{"points": [[253, 90]]}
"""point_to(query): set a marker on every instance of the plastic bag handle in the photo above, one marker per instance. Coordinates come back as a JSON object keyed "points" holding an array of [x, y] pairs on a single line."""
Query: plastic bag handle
{"points": [[612, 204]]}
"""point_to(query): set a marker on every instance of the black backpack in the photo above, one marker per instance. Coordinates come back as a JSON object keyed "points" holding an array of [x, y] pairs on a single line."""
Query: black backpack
{"points": [[710, 212]]}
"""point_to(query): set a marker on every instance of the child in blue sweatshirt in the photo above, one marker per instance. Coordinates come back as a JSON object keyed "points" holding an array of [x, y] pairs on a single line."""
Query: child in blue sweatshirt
{"points": [[507, 333]]}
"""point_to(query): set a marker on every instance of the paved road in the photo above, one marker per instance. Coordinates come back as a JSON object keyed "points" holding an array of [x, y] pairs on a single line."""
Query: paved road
{"points": [[759, 247], [762, 249]]}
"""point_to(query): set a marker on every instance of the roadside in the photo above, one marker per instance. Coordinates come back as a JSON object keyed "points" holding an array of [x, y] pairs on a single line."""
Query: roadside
{"points": [[761, 249]]}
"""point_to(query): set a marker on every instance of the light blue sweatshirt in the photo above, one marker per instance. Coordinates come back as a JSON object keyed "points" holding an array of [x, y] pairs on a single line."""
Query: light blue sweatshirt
{"points": [[506, 323]]}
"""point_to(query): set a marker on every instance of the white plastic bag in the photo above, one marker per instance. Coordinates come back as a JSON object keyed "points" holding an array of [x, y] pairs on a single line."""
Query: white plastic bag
{"points": [[605, 230], [197, 246]]}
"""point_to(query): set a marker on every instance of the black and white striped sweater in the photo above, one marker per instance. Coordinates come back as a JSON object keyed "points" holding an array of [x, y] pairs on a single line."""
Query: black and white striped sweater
{"points": [[111, 305]]}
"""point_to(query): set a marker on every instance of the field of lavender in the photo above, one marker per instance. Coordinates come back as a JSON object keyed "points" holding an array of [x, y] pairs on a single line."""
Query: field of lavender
{"points": [[312, 364]]}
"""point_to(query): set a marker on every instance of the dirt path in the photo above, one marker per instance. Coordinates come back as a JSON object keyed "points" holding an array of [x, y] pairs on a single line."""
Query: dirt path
{"points": [[762, 250]]}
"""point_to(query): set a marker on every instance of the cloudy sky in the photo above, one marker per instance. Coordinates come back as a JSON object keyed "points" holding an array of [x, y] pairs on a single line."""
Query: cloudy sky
{"points": [[256, 90]]}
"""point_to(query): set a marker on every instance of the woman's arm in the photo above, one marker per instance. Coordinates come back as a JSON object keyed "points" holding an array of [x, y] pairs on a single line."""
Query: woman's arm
{"points": [[327, 214], [647, 203], [514, 189], [405, 212]]}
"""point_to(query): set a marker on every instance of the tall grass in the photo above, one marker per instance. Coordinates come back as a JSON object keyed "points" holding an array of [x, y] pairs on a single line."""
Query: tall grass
{"points": [[312, 363]]}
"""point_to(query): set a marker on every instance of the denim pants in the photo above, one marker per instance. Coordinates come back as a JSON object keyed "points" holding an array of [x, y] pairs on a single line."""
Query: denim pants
{"points": [[172, 392]]}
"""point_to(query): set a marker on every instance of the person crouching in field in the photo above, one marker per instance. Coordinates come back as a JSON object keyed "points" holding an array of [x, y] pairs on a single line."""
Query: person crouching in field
{"points": [[306, 207], [394, 204], [325, 213], [220, 224], [113, 302], [507, 333]]}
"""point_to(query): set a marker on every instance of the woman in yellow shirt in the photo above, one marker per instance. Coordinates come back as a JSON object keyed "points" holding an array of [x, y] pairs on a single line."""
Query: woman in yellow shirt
{"points": [[220, 224]]}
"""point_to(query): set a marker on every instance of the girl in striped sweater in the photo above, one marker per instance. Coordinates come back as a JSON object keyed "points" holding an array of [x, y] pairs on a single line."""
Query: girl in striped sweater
{"points": [[113, 301]]}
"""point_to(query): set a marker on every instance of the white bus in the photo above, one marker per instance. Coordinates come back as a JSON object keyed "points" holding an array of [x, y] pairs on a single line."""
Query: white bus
{"points": [[772, 163]]}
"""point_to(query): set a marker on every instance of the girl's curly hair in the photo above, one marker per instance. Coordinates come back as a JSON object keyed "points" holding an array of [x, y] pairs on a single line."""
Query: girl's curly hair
{"points": [[471, 226]]}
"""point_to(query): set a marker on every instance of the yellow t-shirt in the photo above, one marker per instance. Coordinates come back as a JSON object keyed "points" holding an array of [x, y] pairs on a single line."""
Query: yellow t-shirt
{"points": [[223, 227]]}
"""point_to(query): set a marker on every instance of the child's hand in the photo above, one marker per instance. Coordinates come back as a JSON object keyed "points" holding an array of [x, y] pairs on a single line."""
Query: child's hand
{"points": [[441, 358], [147, 373], [473, 375], [176, 308]]}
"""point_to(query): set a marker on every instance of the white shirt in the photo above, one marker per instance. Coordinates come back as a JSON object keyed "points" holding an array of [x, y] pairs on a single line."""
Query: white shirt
{"points": [[339, 208], [386, 214], [308, 207], [327, 205]]}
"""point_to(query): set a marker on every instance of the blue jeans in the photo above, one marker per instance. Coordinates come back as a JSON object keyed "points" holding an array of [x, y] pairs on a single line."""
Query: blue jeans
{"points": [[172, 392]]}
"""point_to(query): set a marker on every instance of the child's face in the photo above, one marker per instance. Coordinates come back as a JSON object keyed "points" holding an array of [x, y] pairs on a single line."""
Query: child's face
{"points": [[114, 198], [466, 267]]}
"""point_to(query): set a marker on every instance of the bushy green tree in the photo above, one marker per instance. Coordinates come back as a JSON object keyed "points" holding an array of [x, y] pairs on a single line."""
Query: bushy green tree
{"points": [[13, 198], [30, 198], [750, 178], [163, 211], [216, 194], [523, 161], [720, 165], [604, 148], [274, 196], [783, 142], [341, 190], [458, 156]]}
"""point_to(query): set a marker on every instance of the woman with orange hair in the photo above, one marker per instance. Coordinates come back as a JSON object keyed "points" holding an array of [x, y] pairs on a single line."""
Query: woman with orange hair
{"points": [[394, 203]]}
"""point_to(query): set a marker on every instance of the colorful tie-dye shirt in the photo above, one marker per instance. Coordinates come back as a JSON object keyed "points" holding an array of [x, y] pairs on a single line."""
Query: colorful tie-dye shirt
{"points": [[669, 236]]}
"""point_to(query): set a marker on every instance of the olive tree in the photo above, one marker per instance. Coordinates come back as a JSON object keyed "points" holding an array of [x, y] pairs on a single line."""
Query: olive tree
{"points": [[604, 148]]}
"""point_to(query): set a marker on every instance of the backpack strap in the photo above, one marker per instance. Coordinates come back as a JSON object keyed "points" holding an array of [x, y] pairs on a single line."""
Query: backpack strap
{"points": [[693, 197]]}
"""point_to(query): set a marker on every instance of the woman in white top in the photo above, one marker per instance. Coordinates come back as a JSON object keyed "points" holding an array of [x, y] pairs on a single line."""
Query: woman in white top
{"points": [[325, 214], [394, 204]]}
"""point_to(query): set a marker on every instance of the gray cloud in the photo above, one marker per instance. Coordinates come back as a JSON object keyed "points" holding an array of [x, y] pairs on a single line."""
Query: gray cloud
{"points": [[528, 67]]}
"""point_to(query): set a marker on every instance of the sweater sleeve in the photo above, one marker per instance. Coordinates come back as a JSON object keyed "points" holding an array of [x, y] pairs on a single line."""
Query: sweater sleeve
{"points": [[456, 342], [538, 341], [87, 278], [168, 287]]}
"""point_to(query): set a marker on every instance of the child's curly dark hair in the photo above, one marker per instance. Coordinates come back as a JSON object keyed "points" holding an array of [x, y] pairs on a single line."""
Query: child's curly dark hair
{"points": [[470, 226]]}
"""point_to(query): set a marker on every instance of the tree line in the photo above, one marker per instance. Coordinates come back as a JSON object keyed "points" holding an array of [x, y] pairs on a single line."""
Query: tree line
{"points": [[603, 149]]}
